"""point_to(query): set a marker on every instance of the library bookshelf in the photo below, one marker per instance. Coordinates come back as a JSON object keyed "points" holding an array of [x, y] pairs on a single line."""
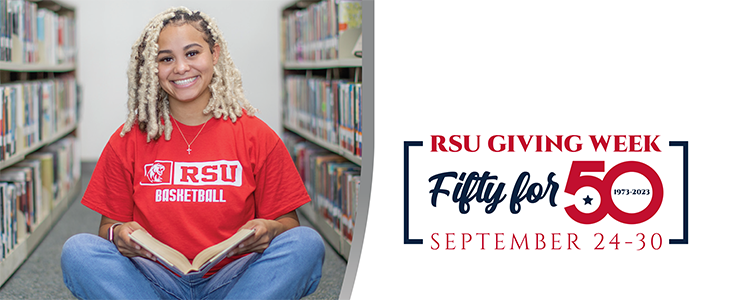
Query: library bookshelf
{"points": [[324, 64], [322, 110], [39, 112]]}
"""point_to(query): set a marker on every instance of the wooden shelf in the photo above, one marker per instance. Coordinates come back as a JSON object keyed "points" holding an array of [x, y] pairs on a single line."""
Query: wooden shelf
{"points": [[346, 247], [14, 67], [28, 150], [24, 248], [323, 64], [323, 143], [338, 242], [55, 6]]}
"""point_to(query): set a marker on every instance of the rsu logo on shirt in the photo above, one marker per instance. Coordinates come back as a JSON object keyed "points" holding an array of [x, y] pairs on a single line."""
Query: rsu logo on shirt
{"points": [[220, 172], [157, 173]]}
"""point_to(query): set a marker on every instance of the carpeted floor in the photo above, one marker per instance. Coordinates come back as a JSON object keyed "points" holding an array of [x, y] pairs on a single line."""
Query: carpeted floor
{"points": [[40, 277]]}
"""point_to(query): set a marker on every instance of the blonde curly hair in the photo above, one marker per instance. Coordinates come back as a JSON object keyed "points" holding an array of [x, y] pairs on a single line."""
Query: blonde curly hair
{"points": [[148, 104]]}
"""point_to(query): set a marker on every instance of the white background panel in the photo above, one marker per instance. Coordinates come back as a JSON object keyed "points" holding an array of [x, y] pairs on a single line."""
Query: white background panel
{"points": [[677, 69]]}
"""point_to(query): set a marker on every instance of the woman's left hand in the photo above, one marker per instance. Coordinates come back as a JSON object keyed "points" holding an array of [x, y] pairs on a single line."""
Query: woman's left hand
{"points": [[265, 232]]}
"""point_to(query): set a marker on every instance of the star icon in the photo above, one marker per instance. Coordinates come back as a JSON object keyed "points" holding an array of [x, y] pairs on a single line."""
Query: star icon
{"points": [[588, 200]]}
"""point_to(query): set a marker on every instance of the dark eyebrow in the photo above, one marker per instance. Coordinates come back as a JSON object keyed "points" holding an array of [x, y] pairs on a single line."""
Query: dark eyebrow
{"points": [[183, 48], [191, 45]]}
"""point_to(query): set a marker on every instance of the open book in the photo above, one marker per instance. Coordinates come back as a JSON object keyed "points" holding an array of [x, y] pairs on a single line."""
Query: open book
{"points": [[178, 263]]}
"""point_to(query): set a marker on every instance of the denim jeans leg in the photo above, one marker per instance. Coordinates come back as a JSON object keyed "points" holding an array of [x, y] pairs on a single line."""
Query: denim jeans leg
{"points": [[93, 268], [166, 284], [219, 284], [289, 269]]}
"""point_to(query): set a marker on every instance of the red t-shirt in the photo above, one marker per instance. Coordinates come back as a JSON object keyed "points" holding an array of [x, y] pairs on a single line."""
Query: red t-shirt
{"points": [[235, 172]]}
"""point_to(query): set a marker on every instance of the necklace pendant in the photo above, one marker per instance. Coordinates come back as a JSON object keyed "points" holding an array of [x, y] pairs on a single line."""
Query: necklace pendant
{"points": [[196, 136]]}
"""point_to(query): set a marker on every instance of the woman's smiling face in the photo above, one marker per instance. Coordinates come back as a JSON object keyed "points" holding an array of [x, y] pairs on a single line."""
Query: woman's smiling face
{"points": [[186, 63]]}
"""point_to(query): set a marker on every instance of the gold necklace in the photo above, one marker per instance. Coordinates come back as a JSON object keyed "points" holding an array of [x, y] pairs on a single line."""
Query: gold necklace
{"points": [[196, 136]]}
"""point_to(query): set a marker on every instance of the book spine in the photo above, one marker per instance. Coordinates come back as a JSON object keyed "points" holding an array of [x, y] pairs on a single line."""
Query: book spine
{"points": [[34, 111], [8, 121], [33, 35], [313, 33], [330, 179], [26, 189], [2, 123], [4, 208]]}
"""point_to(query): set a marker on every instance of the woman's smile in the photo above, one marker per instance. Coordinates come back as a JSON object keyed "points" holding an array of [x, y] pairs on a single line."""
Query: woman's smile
{"points": [[183, 83]]}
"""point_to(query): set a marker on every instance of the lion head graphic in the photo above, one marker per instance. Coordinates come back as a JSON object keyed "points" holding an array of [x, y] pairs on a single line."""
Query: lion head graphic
{"points": [[154, 174]]}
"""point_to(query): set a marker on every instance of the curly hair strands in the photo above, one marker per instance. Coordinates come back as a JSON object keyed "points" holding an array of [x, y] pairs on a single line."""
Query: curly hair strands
{"points": [[148, 104]]}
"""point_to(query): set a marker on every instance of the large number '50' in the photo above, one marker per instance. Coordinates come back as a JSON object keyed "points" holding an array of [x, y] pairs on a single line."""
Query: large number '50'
{"points": [[604, 187]]}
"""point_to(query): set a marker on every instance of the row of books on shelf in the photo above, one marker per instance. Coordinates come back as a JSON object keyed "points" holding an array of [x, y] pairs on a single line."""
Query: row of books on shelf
{"points": [[332, 182], [33, 35], [32, 188], [330, 109], [324, 30], [33, 111]]}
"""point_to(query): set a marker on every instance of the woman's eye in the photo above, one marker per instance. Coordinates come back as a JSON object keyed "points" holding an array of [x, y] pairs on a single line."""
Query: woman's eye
{"points": [[165, 59], [192, 53]]}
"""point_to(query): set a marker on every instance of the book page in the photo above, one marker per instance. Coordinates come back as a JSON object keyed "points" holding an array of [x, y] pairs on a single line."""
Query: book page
{"points": [[217, 252], [176, 261], [167, 255]]}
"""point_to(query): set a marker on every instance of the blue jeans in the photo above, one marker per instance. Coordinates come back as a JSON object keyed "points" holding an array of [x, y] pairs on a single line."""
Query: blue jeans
{"points": [[290, 268]]}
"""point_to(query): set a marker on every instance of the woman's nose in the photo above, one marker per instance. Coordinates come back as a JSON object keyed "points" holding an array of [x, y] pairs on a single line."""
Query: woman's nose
{"points": [[181, 66]]}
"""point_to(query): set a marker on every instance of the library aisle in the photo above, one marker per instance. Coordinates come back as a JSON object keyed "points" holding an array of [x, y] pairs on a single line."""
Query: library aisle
{"points": [[40, 277]]}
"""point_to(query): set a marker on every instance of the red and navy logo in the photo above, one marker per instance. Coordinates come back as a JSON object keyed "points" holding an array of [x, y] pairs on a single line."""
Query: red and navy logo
{"points": [[595, 186]]}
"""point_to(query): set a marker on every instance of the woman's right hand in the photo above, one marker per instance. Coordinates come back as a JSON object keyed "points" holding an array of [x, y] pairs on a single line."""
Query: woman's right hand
{"points": [[122, 240], [125, 245]]}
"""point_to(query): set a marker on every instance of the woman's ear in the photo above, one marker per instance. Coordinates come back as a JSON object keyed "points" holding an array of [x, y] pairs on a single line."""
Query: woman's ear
{"points": [[216, 53]]}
